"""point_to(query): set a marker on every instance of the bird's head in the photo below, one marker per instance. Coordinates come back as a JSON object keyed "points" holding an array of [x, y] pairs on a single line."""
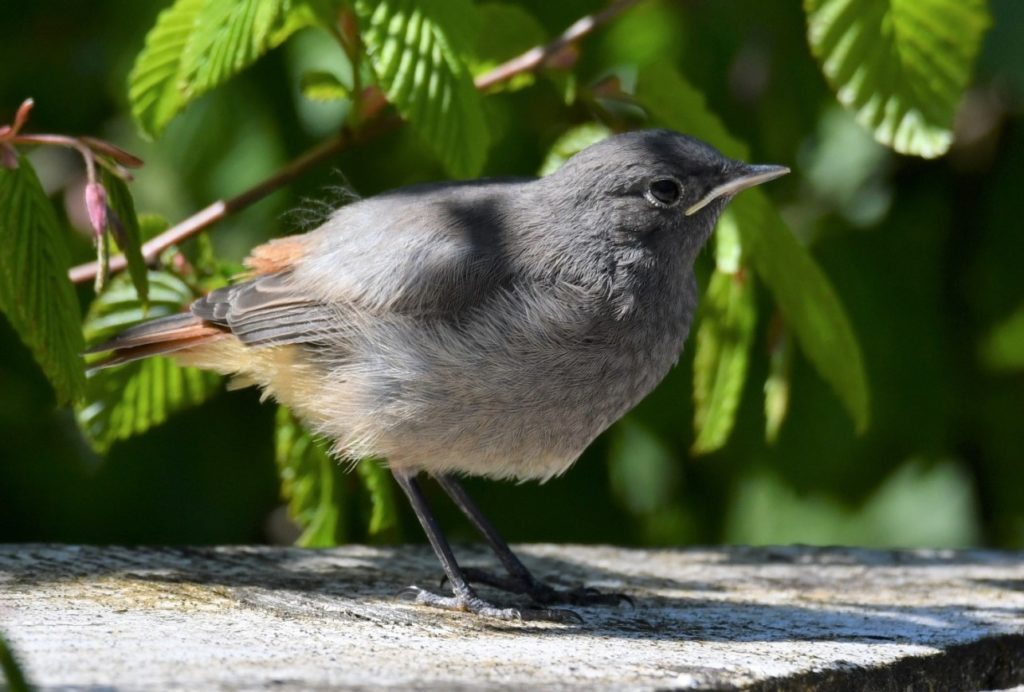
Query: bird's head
{"points": [[652, 187]]}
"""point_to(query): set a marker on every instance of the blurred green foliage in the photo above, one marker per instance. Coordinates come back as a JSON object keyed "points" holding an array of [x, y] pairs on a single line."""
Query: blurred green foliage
{"points": [[923, 256]]}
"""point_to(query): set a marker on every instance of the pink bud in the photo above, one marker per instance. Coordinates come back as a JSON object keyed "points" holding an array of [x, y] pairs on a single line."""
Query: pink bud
{"points": [[96, 204]]}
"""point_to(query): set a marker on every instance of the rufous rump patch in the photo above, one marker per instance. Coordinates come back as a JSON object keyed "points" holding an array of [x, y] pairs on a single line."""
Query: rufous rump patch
{"points": [[274, 256]]}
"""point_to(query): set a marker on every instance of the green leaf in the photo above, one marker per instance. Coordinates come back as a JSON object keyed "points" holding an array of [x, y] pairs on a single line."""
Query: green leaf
{"points": [[228, 37], [643, 472], [675, 103], [197, 45], [777, 385], [35, 292], [318, 85], [311, 481], [900, 65], [155, 87], [127, 400], [120, 201], [1003, 349], [724, 338], [102, 244], [377, 480], [801, 290], [570, 143], [416, 49], [807, 301]]}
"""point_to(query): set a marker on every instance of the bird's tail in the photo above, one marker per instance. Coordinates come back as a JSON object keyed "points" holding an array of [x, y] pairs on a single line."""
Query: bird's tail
{"points": [[156, 337]]}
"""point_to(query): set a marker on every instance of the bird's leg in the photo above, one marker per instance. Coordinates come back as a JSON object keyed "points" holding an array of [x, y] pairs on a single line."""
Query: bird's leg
{"points": [[464, 598], [519, 579]]}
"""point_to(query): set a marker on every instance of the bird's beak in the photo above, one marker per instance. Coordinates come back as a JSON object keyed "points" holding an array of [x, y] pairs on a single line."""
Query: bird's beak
{"points": [[746, 175]]}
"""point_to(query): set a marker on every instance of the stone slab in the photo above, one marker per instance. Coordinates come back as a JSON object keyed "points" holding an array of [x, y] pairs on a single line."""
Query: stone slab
{"points": [[719, 618]]}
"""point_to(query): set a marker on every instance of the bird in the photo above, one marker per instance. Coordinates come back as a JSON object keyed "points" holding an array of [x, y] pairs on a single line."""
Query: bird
{"points": [[489, 328]]}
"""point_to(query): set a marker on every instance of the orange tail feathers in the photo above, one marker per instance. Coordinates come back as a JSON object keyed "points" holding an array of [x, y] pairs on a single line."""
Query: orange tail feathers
{"points": [[156, 337]]}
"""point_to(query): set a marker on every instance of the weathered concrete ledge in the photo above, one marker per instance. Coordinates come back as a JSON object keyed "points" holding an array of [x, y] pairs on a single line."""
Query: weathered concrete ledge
{"points": [[765, 619]]}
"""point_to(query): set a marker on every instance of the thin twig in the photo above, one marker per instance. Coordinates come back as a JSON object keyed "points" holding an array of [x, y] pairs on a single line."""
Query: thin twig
{"points": [[529, 61], [222, 208], [535, 57], [63, 141]]}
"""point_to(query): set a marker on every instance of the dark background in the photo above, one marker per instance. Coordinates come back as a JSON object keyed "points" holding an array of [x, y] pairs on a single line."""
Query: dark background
{"points": [[926, 256]]}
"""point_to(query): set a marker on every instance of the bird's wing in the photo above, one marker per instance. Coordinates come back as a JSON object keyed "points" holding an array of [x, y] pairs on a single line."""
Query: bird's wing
{"points": [[425, 251], [266, 311], [431, 255]]}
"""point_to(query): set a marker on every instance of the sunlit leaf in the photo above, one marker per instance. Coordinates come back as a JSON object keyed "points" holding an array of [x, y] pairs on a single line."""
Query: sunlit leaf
{"points": [[316, 489], [127, 400], [807, 301], [416, 49], [154, 85], [570, 143], [801, 290], [197, 45], [777, 385], [35, 293], [311, 481], [900, 65], [377, 480], [722, 350], [228, 37], [125, 226], [318, 85]]}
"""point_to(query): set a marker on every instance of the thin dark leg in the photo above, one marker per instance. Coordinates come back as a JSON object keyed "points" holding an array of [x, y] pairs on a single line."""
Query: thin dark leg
{"points": [[515, 568], [521, 580], [437, 540], [464, 598]]}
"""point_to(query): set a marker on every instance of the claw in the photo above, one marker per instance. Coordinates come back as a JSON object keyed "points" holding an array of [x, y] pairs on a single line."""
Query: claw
{"points": [[623, 598], [478, 606], [563, 616], [409, 593], [544, 594]]}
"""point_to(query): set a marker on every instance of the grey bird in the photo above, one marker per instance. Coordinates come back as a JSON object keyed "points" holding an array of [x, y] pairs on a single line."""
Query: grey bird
{"points": [[487, 328]]}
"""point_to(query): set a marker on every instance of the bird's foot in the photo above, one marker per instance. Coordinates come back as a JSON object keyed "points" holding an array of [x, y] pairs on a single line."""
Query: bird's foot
{"points": [[544, 594], [476, 605]]}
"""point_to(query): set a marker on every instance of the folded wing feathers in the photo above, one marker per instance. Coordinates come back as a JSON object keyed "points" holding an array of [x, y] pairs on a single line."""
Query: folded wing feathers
{"points": [[262, 311], [266, 311]]}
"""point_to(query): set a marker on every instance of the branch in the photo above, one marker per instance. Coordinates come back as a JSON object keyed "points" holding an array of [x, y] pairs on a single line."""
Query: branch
{"points": [[536, 56], [222, 208], [529, 61]]}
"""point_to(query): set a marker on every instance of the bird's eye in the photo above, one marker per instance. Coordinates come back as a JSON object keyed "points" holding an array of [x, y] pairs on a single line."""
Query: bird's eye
{"points": [[664, 192]]}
